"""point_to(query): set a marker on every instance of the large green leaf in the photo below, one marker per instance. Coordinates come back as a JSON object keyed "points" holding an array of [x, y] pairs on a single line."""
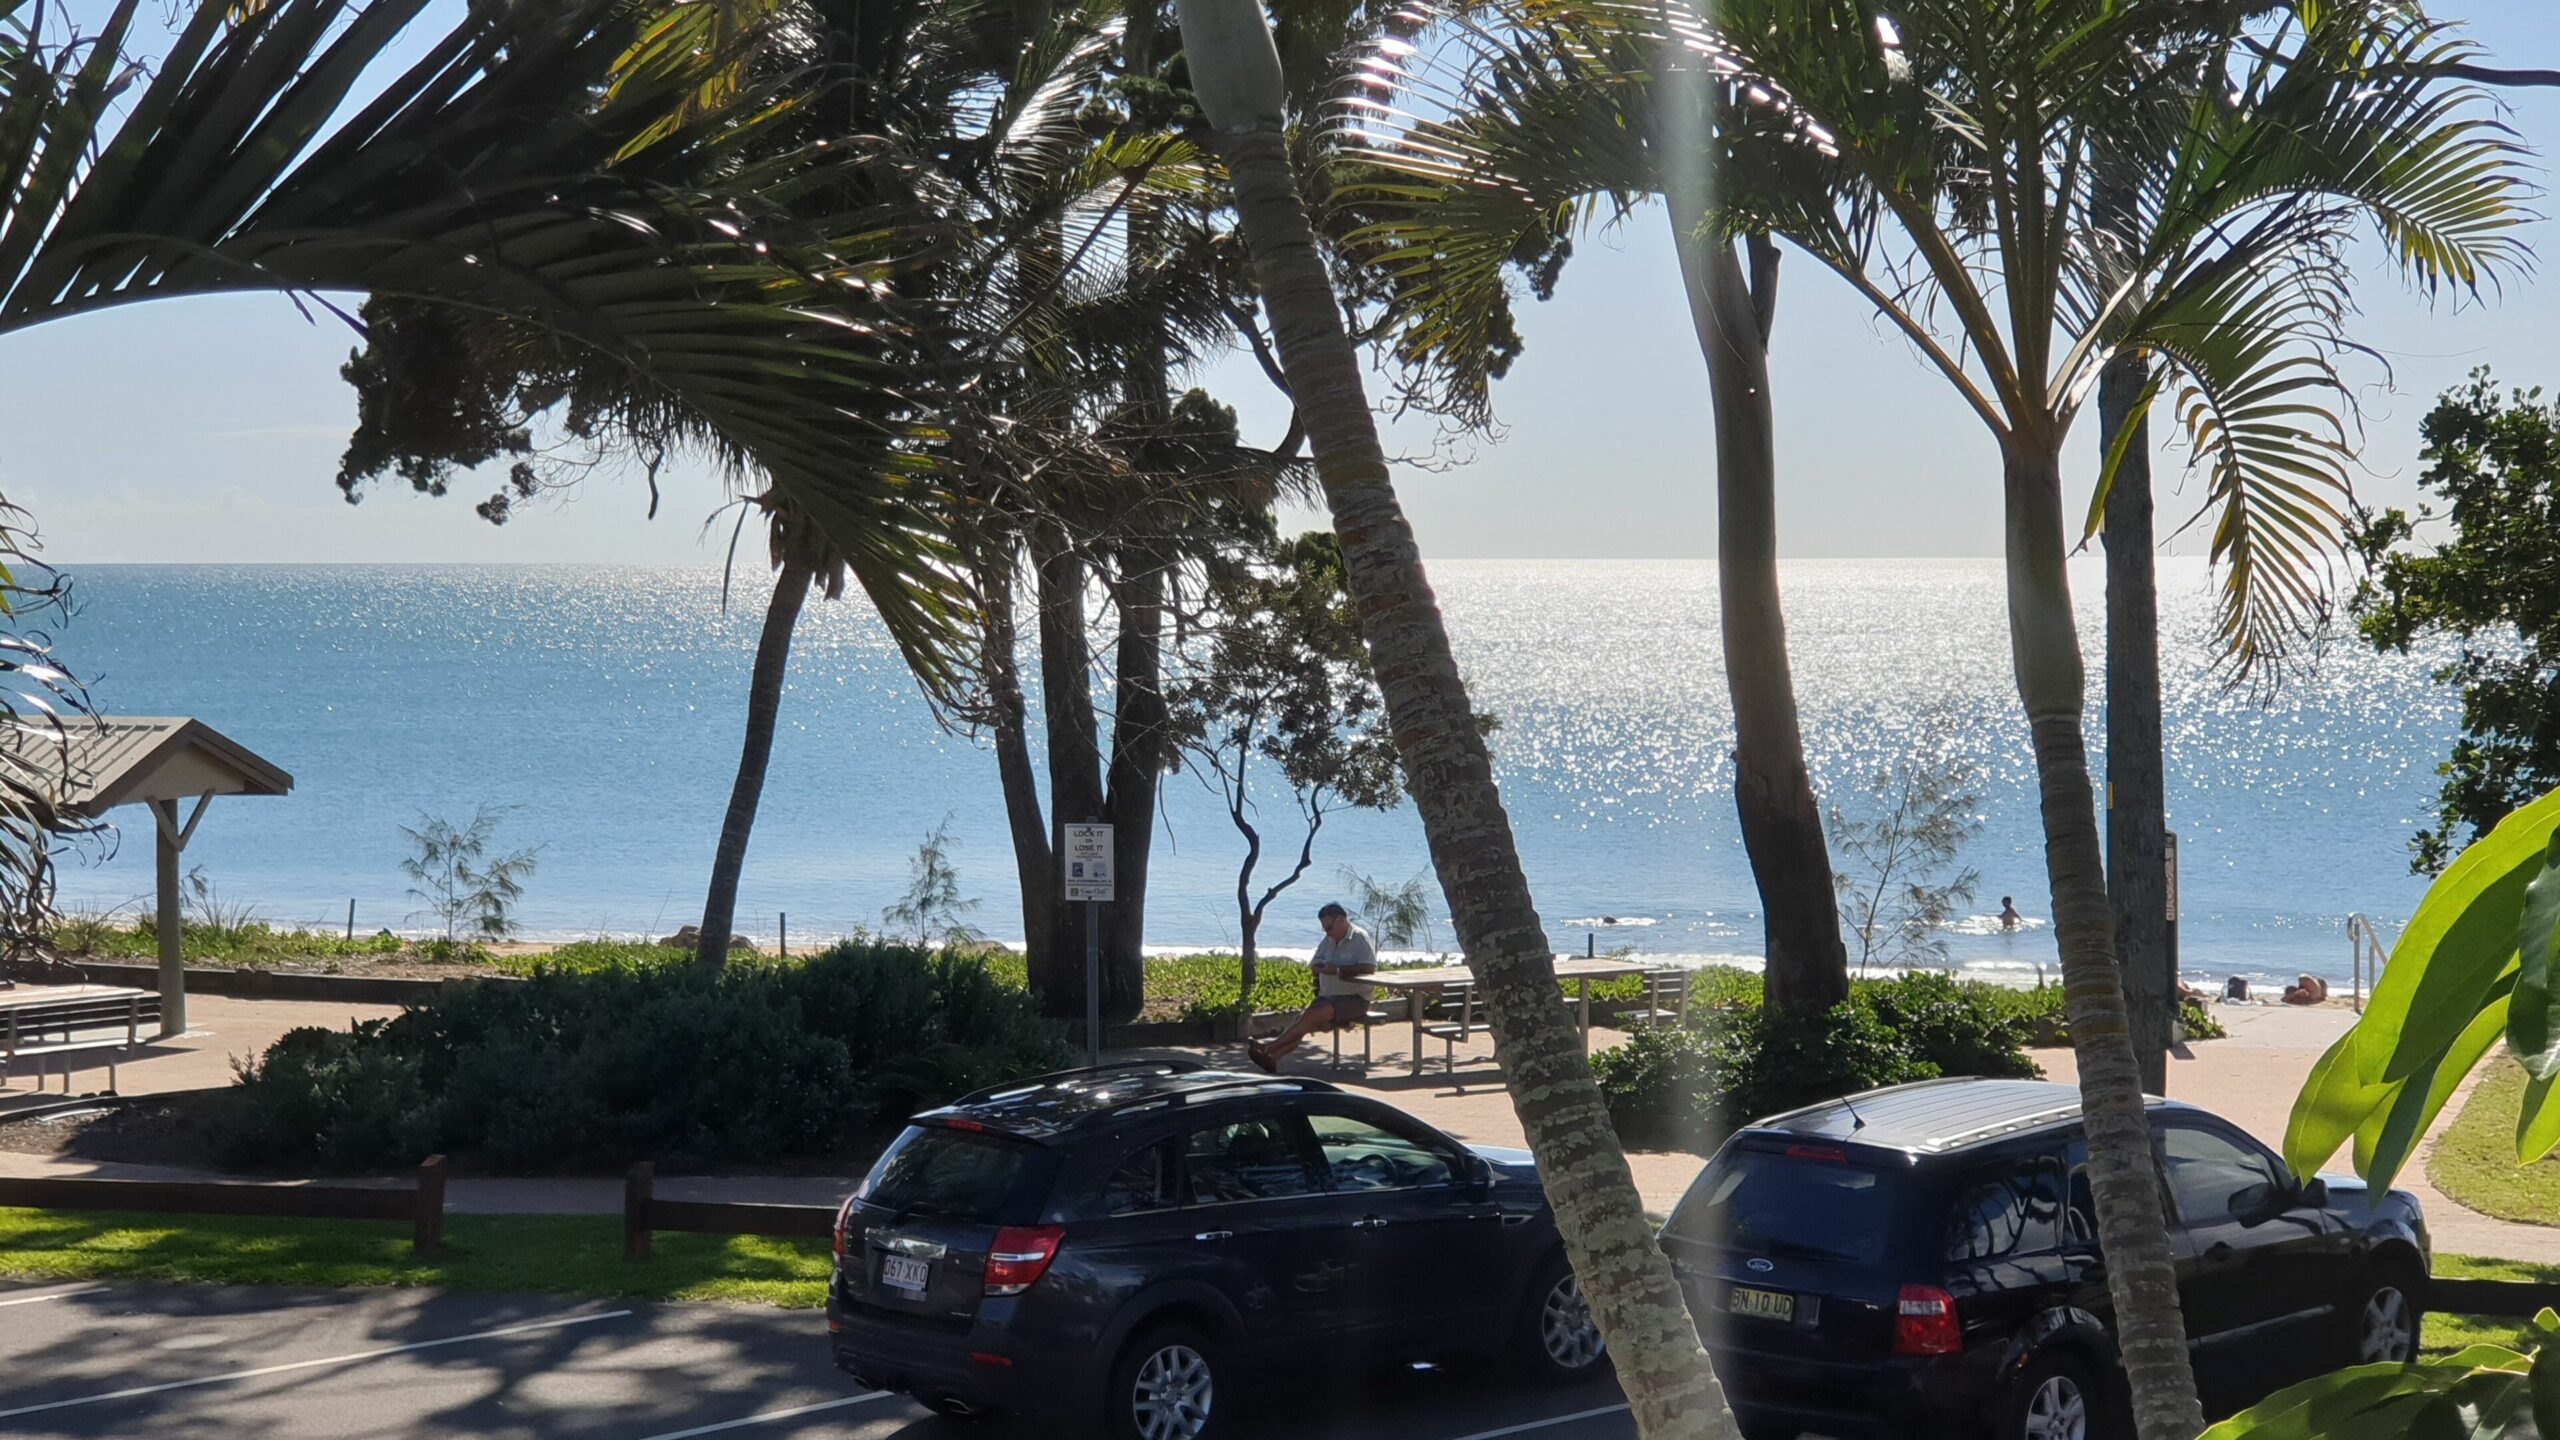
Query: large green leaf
{"points": [[2531, 1033], [2334, 1102], [2364, 1402], [2387, 1137], [2454, 948]]}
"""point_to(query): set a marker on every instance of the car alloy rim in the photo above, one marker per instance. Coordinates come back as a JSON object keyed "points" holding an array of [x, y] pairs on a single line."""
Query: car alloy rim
{"points": [[2386, 1327], [2057, 1412], [1572, 1339], [1171, 1395]]}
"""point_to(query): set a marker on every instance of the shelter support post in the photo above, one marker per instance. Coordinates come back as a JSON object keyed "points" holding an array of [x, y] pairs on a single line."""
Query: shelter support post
{"points": [[169, 843]]}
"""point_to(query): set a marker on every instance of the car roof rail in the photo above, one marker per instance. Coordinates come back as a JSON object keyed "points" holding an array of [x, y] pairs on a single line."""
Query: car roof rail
{"points": [[1034, 1082], [1218, 1090]]}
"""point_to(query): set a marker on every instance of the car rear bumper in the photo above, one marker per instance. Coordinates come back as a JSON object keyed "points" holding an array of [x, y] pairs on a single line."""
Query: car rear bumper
{"points": [[980, 1369], [1950, 1395]]}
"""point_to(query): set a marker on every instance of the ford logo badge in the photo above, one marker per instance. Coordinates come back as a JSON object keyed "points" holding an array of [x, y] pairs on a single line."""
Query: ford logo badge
{"points": [[1761, 1267]]}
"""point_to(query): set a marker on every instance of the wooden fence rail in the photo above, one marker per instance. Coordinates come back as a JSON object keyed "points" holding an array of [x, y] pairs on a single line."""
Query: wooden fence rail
{"points": [[643, 1214], [2504, 1299], [421, 1205]]}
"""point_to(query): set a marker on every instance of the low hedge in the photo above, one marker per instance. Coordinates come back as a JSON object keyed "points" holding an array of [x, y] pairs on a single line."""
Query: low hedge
{"points": [[1686, 1087], [592, 1069]]}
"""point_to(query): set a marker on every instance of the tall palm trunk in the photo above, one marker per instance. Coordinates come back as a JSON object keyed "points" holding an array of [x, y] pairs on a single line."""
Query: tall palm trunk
{"points": [[1001, 645], [2133, 1231], [2137, 791], [764, 704], [1137, 769], [1633, 1295], [1806, 965], [1075, 753]]}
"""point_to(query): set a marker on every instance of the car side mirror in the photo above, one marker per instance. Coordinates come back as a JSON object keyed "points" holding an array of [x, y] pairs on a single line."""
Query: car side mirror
{"points": [[1479, 1176], [2314, 1193]]}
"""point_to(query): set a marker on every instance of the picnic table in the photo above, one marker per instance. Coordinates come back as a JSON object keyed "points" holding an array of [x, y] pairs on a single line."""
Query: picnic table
{"points": [[42, 1021], [1425, 988]]}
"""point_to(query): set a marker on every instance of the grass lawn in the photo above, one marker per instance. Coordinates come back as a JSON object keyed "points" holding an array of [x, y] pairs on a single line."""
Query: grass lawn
{"points": [[570, 1255], [2446, 1334], [2475, 1162], [582, 1255]]}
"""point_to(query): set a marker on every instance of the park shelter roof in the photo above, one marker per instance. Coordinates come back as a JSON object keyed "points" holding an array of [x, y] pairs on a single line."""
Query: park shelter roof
{"points": [[92, 764]]}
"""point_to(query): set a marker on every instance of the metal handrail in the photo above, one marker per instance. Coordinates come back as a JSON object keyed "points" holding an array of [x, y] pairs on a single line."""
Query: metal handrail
{"points": [[2366, 941]]}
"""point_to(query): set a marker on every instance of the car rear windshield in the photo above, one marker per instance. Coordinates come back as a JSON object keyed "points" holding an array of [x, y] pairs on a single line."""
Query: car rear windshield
{"points": [[1805, 1206], [935, 1170]]}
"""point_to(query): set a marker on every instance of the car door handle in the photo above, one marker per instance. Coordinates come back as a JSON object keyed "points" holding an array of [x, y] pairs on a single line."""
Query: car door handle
{"points": [[1215, 1235], [1369, 1222]]}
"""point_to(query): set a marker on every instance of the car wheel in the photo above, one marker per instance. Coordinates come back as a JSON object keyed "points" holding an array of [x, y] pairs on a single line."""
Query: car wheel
{"points": [[1165, 1387], [2383, 1319], [2054, 1398], [1558, 1338], [1757, 1429]]}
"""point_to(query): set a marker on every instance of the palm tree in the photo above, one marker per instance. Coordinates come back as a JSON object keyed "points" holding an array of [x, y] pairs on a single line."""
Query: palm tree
{"points": [[1235, 72], [1503, 183], [1953, 151], [802, 561]]}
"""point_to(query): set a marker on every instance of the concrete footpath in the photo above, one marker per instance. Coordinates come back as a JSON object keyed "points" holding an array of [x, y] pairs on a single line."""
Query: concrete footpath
{"points": [[2250, 1078]]}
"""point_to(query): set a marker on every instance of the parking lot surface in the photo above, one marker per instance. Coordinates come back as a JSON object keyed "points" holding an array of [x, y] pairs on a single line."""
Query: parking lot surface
{"points": [[99, 1360]]}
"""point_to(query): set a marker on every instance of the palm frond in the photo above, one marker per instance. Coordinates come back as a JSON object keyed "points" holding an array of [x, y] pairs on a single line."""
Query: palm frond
{"points": [[485, 177]]}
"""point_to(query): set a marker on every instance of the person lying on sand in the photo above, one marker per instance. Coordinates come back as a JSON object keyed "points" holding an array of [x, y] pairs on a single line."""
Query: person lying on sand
{"points": [[2306, 990]]}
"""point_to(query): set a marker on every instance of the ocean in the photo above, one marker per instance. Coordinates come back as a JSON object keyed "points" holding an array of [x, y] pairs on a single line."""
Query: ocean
{"points": [[602, 707]]}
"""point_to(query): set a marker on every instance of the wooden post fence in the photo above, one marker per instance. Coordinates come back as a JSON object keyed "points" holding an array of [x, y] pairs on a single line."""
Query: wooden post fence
{"points": [[421, 1206]]}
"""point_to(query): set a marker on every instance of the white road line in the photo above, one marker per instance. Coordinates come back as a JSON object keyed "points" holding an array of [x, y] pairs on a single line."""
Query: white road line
{"points": [[1543, 1424], [360, 1355], [57, 1295], [770, 1416]]}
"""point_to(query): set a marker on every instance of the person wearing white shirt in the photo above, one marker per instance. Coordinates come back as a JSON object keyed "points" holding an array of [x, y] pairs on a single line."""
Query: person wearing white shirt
{"points": [[1343, 957]]}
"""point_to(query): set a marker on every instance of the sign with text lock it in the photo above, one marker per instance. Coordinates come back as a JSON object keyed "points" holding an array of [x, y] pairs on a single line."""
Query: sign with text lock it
{"points": [[1087, 855]]}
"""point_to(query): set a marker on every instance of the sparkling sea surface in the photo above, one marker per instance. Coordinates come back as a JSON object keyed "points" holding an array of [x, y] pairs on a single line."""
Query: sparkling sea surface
{"points": [[604, 705]]}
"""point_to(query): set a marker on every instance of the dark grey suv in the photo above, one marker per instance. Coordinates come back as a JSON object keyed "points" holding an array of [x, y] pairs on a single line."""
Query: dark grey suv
{"points": [[1132, 1242], [1924, 1260]]}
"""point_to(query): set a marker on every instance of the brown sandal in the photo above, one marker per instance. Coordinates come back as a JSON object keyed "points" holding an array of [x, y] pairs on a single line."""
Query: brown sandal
{"points": [[1261, 1058]]}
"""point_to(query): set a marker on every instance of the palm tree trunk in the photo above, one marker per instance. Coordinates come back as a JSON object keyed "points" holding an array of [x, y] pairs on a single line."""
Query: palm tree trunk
{"points": [[1137, 770], [764, 704], [1660, 1364], [1000, 642], [1807, 966], [2133, 1231], [2137, 792], [1075, 754]]}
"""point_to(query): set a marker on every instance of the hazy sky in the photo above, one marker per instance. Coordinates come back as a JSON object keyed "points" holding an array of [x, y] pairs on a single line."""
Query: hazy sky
{"points": [[210, 430]]}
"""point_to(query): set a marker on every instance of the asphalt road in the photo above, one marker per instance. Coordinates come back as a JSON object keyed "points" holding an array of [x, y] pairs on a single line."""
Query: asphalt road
{"points": [[84, 1360]]}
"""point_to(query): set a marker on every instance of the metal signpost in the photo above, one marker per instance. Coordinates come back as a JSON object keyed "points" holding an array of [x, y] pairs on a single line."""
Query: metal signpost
{"points": [[1087, 852], [2169, 854]]}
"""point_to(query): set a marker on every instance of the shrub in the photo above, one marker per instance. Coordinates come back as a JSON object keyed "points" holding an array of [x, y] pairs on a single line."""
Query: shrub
{"points": [[1687, 1087], [1960, 1029], [596, 1067]]}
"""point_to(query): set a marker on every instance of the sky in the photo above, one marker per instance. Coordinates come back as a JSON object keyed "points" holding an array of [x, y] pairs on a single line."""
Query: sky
{"points": [[209, 430]]}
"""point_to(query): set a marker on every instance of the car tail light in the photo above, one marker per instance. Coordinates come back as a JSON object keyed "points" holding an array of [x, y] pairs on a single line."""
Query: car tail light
{"points": [[844, 1219], [1924, 1322], [1020, 1256], [1832, 1153]]}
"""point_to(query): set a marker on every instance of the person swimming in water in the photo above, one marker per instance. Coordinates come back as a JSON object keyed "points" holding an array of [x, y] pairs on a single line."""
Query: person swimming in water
{"points": [[2010, 919]]}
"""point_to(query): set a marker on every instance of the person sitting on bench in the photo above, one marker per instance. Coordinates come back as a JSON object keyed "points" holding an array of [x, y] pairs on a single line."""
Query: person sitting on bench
{"points": [[1342, 997]]}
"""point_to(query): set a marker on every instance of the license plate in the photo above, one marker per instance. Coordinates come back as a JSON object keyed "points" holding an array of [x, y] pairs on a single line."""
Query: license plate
{"points": [[900, 1273], [1762, 1304]]}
